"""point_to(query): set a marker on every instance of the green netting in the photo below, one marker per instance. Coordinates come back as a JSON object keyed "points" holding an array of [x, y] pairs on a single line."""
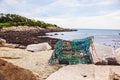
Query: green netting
{"points": [[72, 52]]}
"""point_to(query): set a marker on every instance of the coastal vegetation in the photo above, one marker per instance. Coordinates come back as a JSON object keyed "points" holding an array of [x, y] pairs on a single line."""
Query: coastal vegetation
{"points": [[7, 20]]}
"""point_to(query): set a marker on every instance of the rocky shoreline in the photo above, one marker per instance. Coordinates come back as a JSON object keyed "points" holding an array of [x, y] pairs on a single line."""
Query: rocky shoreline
{"points": [[29, 35], [24, 65], [21, 64]]}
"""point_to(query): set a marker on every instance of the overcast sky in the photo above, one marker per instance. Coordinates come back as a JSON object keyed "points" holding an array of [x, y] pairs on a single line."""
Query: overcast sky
{"points": [[96, 14]]}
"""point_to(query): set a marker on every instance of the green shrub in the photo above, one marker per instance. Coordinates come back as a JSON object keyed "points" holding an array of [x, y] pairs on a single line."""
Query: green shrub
{"points": [[4, 25], [17, 20]]}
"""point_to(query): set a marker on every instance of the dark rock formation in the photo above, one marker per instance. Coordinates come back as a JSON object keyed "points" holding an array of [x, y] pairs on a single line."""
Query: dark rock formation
{"points": [[112, 61], [25, 36], [55, 34]]}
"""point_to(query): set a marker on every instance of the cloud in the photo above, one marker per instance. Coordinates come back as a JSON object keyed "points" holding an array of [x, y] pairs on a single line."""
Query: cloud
{"points": [[11, 2], [53, 8], [68, 13], [83, 3], [14, 6], [113, 13], [108, 21], [96, 22], [107, 2]]}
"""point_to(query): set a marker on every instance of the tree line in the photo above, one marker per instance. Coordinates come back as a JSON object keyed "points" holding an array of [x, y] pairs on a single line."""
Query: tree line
{"points": [[7, 20]]}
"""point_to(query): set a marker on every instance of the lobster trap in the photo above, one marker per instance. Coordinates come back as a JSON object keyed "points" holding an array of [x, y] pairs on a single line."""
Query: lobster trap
{"points": [[72, 52]]}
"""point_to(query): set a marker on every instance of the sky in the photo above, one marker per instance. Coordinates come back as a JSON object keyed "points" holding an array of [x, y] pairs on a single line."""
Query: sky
{"points": [[92, 14]]}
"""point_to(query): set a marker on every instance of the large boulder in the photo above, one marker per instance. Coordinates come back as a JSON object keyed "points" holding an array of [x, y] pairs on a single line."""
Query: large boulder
{"points": [[8, 71], [86, 72], [37, 62], [38, 47], [117, 55]]}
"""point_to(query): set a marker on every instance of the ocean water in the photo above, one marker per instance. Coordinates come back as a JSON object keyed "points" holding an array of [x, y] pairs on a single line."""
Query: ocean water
{"points": [[102, 36]]}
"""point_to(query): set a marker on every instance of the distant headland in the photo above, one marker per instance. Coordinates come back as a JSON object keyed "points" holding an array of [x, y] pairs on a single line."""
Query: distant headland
{"points": [[18, 29]]}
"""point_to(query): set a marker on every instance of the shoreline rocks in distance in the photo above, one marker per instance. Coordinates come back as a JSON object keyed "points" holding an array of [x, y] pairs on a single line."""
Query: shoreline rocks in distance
{"points": [[55, 34], [24, 35], [35, 29]]}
